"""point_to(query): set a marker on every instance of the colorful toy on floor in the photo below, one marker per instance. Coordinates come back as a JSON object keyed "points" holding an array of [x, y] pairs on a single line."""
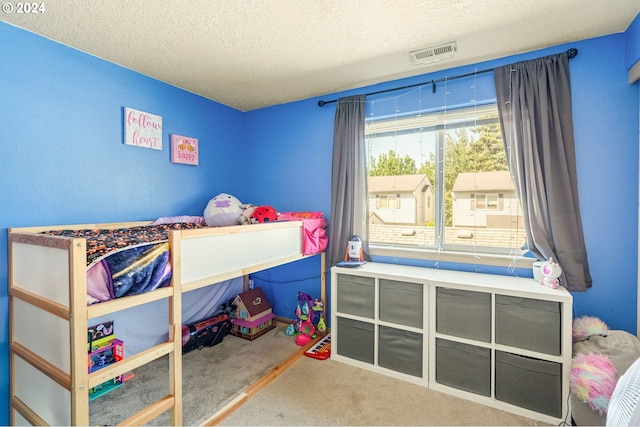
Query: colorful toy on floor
{"points": [[309, 310], [307, 328], [205, 332], [322, 327], [290, 330], [321, 350], [104, 349], [99, 335], [303, 339], [253, 316], [309, 314]]}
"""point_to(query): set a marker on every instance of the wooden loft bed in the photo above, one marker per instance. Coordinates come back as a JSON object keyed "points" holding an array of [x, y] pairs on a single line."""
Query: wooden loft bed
{"points": [[49, 315]]}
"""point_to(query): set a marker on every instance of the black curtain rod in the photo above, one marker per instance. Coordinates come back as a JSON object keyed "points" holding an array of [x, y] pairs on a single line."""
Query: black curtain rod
{"points": [[571, 53]]}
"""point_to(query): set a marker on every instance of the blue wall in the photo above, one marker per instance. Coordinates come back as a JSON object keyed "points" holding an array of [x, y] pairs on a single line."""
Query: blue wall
{"points": [[606, 134], [64, 162]]}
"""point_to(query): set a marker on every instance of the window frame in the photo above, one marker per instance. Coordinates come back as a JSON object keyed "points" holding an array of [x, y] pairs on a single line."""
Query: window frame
{"points": [[441, 122]]}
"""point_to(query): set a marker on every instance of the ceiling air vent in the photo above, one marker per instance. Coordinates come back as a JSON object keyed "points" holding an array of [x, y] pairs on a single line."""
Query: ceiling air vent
{"points": [[432, 54]]}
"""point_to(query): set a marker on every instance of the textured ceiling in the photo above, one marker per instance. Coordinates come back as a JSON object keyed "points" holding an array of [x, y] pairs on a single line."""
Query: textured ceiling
{"points": [[250, 54]]}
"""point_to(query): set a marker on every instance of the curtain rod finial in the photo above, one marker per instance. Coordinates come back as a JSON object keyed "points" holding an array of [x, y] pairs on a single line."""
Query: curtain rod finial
{"points": [[573, 52], [321, 103]]}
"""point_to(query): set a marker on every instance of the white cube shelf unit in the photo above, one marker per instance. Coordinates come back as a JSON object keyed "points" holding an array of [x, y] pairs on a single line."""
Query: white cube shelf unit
{"points": [[497, 340]]}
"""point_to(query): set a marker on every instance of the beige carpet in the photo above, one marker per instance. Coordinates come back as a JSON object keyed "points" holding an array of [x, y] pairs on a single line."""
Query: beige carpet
{"points": [[314, 392], [309, 392], [212, 377]]}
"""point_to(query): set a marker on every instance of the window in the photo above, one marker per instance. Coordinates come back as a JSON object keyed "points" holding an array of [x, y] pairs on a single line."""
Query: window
{"points": [[487, 201], [391, 201], [449, 168]]}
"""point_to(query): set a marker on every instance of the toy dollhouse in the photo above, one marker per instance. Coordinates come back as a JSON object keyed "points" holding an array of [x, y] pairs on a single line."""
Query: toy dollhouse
{"points": [[104, 349], [253, 316]]}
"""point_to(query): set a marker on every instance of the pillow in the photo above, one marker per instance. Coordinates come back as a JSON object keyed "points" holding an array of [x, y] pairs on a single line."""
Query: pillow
{"points": [[593, 378], [587, 326], [223, 210]]}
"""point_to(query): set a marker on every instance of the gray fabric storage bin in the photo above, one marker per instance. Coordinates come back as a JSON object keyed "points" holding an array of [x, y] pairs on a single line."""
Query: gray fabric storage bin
{"points": [[401, 302], [463, 366], [528, 323], [355, 339], [356, 295], [529, 383], [400, 350], [464, 314]]}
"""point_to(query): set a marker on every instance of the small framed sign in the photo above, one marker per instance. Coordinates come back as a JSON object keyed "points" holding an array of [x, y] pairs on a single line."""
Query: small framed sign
{"points": [[142, 129], [184, 150]]}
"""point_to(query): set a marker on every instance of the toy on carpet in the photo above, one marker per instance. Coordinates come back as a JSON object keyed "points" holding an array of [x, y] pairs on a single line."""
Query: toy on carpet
{"points": [[321, 350], [105, 349], [223, 210], [309, 319], [253, 315], [205, 332], [588, 326], [309, 310], [290, 330], [593, 378], [307, 332], [264, 214]]}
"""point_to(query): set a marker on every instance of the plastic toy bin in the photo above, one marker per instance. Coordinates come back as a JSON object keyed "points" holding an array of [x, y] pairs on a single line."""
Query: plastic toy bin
{"points": [[400, 350], [528, 323], [355, 339], [464, 314], [394, 294], [529, 383], [463, 366], [356, 295]]}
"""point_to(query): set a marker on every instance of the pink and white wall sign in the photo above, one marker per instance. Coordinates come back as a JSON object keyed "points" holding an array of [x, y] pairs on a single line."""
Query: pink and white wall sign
{"points": [[184, 150], [142, 129]]}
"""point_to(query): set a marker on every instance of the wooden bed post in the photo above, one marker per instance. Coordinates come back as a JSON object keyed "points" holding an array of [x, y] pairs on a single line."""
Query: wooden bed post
{"points": [[175, 328], [78, 325]]}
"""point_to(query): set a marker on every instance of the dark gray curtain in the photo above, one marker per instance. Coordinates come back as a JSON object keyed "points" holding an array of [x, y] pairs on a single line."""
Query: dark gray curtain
{"points": [[534, 102], [349, 196]]}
